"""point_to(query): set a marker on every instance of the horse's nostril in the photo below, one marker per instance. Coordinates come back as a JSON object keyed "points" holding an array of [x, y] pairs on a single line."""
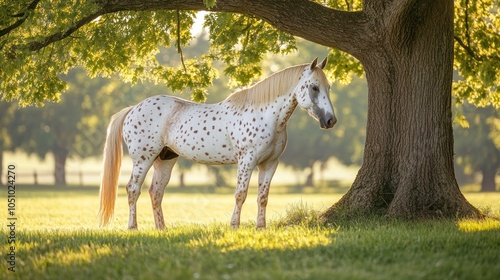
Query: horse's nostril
{"points": [[331, 122]]}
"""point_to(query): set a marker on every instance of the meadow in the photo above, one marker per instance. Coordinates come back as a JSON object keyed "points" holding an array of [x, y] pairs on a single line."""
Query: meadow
{"points": [[57, 237]]}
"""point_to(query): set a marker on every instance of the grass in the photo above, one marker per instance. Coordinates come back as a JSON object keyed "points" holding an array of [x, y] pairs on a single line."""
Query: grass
{"points": [[58, 238]]}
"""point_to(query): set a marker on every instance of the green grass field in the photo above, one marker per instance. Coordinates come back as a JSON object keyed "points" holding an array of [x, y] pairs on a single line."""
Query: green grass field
{"points": [[57, 237]]}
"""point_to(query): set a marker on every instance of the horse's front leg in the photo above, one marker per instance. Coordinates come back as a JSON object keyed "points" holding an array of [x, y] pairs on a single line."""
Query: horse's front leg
{"points": [[134, 190], [266, 172], [245, 168]]}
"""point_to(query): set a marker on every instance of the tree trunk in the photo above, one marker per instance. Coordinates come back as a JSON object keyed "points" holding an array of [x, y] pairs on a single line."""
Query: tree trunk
{"points": [[60, 156], [488, 183], [310, 179], [181, 180], [1, 167], [407, 170]]}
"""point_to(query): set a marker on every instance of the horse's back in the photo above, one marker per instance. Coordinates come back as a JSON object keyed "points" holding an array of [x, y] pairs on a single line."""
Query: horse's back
{"points": [[145, 125], [194, 131]]}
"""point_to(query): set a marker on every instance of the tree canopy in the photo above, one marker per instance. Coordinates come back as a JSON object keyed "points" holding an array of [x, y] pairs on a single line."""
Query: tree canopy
{"points": [[39, 40]]}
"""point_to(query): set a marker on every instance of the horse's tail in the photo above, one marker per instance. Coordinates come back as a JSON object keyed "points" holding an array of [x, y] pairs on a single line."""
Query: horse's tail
{"points": [[112, 159]]}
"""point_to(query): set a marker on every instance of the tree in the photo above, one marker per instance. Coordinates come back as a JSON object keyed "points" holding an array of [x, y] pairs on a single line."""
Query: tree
{"points": [[53, 130], [7, 110], [405, 49], [476, 147], [72, 127]]}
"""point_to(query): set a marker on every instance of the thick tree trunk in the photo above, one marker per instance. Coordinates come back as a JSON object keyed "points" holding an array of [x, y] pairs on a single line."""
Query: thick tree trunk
{"points": [[60, 156], [407, 170], [488, 183]]}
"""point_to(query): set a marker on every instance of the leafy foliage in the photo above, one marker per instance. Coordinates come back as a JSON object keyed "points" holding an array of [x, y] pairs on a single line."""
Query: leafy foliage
{"points": [[477, 56], [241, 42], [125, 43], [39, 40]]}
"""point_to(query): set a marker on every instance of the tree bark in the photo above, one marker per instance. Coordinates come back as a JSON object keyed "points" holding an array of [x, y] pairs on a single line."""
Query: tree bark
{"points": [[60, 157], [407, 170], [488, 183]]}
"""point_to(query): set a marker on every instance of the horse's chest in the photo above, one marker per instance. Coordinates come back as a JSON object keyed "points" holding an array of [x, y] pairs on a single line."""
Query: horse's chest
{"points": [[260, 137], [275, 147]]}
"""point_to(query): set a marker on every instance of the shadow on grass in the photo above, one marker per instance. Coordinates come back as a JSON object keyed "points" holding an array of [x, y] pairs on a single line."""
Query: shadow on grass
{"points": [[373, 249]]}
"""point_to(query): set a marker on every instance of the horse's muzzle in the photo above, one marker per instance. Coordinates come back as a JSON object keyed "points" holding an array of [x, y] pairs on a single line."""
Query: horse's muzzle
{"points": [[328, 122]]}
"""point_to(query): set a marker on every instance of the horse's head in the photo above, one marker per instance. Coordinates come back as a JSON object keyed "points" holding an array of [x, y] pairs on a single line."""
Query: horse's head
{"points": [[312, 94]]}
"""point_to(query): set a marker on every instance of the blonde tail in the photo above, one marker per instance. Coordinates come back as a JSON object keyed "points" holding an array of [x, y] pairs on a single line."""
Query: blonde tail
{"points": [[112, 159]]}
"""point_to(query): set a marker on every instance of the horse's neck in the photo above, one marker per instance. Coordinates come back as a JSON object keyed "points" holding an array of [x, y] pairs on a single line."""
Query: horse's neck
{"points": [[287, 105]]}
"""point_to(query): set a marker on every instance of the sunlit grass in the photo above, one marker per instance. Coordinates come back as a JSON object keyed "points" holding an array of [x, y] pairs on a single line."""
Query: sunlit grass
{"points": [[272, 239], [78, 209], [481, 225], [185, 250]]}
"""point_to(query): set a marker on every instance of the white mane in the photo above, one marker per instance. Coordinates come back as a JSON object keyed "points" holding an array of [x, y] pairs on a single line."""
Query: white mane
{"points": [[268, 89]]}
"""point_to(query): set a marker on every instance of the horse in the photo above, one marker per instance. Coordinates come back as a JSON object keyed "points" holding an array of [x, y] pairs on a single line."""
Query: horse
{"points": [[248, 128]]}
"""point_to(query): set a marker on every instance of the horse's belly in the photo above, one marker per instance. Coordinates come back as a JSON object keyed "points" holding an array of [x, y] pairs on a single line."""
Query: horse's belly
{"points": [[203, 145]]}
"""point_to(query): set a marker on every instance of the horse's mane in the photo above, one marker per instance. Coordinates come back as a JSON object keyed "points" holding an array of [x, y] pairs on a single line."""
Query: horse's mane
{"points": [[268, 89]]}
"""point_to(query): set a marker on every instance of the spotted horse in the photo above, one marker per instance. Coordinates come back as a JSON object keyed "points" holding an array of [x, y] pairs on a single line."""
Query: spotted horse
{"points": [[248, 128]]}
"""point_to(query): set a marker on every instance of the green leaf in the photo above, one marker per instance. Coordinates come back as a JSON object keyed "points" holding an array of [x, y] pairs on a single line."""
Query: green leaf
{"points": [[209, 3]]}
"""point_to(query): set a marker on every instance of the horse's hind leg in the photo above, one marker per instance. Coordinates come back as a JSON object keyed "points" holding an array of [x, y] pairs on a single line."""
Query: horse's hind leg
{"points": [[163, 170], [139, 172]]}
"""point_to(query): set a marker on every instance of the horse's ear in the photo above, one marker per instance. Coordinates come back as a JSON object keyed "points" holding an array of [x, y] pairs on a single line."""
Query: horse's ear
{"points": [[313, 64], [323, 63]]}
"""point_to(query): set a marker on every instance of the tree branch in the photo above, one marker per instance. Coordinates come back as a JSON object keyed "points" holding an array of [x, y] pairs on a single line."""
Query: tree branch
{"points": [[401, 20], [179, 49], [38, 45], [22, 15], [346, 31], [467, 46], [302, 18], [467, 49]]}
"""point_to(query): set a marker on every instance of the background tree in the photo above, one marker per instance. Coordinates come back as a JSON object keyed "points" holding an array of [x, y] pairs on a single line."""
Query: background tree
{"points": [[404, 47], [477, 146], [74, 127], [53, 129], [7, 110]]}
